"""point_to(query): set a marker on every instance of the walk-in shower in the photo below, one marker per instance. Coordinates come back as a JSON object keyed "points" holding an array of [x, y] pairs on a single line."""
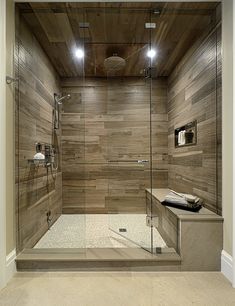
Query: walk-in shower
{"points": [[143, 117]]}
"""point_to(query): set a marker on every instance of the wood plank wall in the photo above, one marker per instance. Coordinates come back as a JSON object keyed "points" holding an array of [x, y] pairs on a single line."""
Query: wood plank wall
{"points": [[194, 93], [37, 192], [105, 121]]}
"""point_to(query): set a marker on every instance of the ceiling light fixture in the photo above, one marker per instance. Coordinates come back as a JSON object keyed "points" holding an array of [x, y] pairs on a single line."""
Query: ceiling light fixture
{"points": [[151, 53], [79, 53]]}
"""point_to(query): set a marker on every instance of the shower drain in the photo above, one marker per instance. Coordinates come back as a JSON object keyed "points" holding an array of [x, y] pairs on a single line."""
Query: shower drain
{"points": [[122, 230]]}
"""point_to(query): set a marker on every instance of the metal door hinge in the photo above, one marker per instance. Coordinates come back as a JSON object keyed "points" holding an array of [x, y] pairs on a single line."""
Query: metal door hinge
{"points": [[150, 25], [152, 221]]}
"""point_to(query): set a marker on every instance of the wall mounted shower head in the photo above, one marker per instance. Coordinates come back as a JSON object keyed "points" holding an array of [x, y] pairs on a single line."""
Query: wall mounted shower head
{"points": [[59, 99]]}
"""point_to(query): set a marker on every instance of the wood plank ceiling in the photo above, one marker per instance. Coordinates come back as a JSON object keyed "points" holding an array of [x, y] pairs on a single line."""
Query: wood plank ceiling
{"points": [[104, 29]]}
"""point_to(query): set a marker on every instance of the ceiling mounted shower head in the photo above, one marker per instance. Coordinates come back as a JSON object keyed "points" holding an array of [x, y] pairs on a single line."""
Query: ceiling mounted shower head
{"points": [[114, 63]]}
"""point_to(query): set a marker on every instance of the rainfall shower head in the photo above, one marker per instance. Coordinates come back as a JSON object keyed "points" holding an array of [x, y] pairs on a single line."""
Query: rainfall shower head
{"points": [[59, 98]]}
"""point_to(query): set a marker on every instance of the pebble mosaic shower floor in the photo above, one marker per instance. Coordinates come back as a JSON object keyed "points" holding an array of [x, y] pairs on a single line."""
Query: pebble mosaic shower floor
{"points": [[100, 231]]}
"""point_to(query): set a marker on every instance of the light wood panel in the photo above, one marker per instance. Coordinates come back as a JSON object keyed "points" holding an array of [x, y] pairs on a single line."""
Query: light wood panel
{"points": [[37, 190], [194, 93], [117, 28], [105, 124]]}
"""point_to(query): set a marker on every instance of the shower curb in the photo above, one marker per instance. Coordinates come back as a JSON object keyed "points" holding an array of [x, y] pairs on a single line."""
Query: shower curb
{"points": [[96, 260]]}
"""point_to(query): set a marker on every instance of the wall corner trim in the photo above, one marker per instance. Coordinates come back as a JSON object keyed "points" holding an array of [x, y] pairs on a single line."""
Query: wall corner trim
{"points": [[10, 265], [227, 265]]}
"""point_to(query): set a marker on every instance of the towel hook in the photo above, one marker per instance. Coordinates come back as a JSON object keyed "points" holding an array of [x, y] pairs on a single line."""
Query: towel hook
{"points": [[10, 80]]}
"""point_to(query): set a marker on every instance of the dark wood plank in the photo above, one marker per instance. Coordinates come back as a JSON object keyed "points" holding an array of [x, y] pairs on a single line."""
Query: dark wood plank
{"points": [[117, 28]]}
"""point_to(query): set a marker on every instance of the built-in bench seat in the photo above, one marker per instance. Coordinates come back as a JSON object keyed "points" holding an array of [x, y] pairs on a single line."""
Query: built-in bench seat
{"points": [[196, 237]]}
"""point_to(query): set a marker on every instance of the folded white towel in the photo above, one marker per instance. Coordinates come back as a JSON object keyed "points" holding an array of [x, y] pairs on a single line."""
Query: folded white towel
{"points": [[173, 198], [181, 138], [182, 198]]}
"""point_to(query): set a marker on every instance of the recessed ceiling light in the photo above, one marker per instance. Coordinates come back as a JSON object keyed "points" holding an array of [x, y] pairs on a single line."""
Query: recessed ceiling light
{"points": [[151, 53], [79, 53]]}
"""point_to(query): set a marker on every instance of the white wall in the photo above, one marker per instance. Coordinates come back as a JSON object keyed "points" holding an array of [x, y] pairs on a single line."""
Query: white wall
{"points": [[119, 1], [10, 145], [227, 119], [2, 142], [228, 135], [233, 102]]}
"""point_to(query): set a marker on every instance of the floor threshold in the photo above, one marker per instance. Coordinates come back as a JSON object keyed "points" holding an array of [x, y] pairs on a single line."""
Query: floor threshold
{"points": [[94, 259]]}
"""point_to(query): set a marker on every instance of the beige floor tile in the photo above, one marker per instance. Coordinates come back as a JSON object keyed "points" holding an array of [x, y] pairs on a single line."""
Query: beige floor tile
{"points": [[117, 289]]}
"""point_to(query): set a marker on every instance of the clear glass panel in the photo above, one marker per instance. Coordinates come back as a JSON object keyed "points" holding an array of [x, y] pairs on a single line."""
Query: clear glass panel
{"points": [[187, 72], [159, 133], [128, 128]]}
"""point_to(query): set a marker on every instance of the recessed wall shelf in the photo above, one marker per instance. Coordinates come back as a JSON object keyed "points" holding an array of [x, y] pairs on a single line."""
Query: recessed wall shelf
{"points": [[186, 135]]}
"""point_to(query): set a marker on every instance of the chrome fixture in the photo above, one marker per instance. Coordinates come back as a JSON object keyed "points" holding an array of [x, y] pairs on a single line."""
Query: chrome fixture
{"points": [[150, 25], [49, 219], [58, 101], [11, 80], [48, 156], [150, 72], [142, 161], [51, 156], [138, 161], [114, 63], [157, 11], [59, 98], [84, 25]]}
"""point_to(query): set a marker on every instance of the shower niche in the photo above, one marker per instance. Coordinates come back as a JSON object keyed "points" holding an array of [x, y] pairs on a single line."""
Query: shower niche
{"points": [[186, 135]]}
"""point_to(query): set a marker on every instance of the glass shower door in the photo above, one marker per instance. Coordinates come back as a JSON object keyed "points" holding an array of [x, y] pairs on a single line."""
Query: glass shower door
{"points": [[128, 128]]}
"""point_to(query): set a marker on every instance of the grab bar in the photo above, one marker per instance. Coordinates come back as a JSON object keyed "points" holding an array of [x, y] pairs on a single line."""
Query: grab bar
{"points": [[142, 161], [139, 161]]}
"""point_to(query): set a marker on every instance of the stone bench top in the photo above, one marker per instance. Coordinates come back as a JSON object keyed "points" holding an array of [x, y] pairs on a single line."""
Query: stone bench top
{"points": [[203, 214]]}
